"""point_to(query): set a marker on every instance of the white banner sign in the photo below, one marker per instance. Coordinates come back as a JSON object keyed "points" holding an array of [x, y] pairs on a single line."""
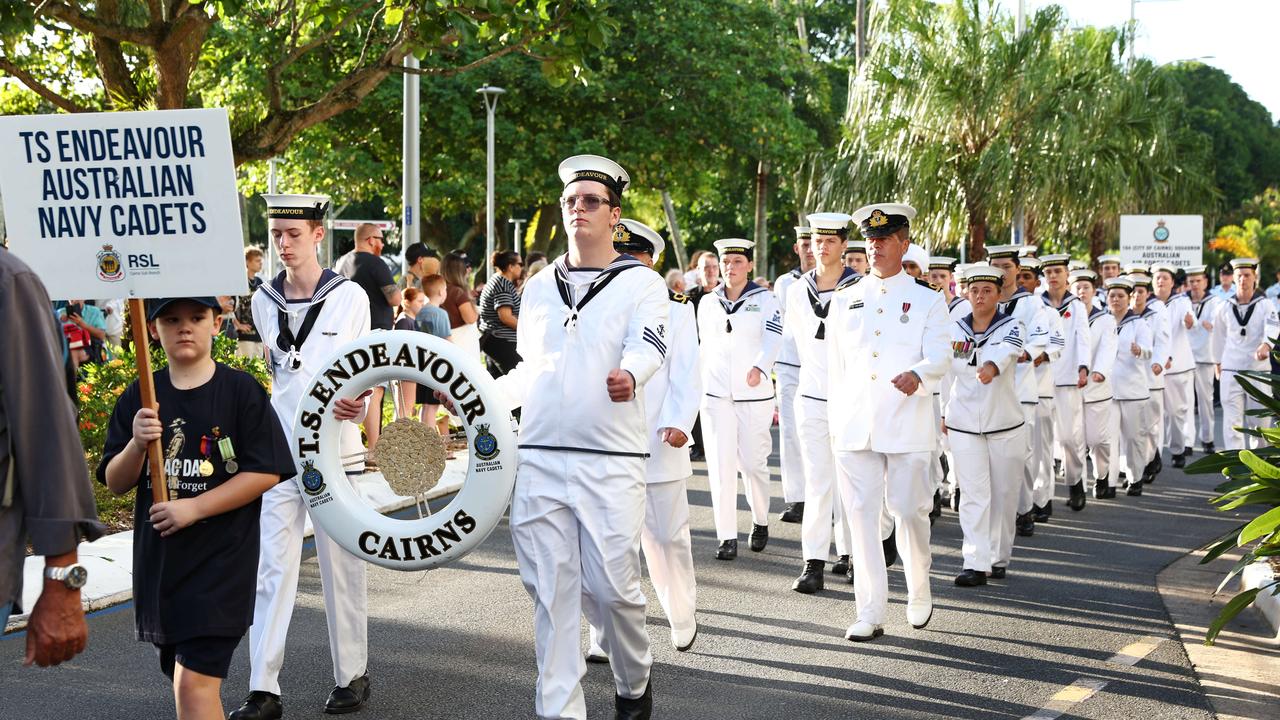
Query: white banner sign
{"points": [[1174, 239], [129, 204]]}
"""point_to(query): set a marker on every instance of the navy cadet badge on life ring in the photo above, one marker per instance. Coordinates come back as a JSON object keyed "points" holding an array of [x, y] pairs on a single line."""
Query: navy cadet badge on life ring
{"points": [[486, 445], [312, 479]]}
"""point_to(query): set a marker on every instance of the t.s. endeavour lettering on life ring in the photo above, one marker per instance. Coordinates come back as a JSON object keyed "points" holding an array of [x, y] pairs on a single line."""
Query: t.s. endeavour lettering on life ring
{"points": [[439, 538]]}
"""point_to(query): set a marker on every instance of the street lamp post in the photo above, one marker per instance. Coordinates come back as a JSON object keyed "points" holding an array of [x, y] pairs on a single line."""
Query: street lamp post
{"points": [[490, 95], [516, 237], [410, 179]]}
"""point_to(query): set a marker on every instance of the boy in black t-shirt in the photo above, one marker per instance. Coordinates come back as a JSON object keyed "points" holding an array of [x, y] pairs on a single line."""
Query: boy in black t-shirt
{"points": [[195, 557]]}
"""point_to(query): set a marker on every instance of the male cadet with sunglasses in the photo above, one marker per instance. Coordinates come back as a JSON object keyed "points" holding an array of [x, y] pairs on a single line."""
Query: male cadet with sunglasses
{"points": [[303, 315], [593, 331], [887, 343]]}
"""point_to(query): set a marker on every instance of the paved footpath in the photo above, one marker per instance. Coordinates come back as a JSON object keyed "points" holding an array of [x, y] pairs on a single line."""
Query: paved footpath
{"points": [[1076, 630]]}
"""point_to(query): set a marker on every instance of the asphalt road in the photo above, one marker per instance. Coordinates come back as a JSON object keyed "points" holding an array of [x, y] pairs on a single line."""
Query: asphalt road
{"points": [[457, 642]]}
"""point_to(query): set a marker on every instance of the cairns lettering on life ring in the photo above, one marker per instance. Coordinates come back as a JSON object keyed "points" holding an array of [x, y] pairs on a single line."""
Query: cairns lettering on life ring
{"points": [[334, 505]]}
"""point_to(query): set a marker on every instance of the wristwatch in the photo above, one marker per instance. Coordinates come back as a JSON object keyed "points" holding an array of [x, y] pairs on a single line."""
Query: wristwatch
{"points": [[73, 576]]}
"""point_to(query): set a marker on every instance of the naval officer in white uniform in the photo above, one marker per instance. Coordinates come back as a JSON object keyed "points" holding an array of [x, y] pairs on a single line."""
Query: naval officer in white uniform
{"points": [[303, 315], [740, 326], [887, 345], [593, 331]]}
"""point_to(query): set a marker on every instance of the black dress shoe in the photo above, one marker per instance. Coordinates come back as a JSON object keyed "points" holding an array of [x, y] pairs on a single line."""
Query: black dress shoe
{"points": [[936, 512], [946, 466], [1135, 489], [259, 705], [1158, 464], [1100, 488], [997, 573], [759, 537], [640, 708], [349, 699], [1025, 525], [728, 550], [793, 513], [810, 581], [955, 499], [1077, 500], [840, 566], [1208, 449], [971, 578], [890, 545], [1042, 514], [1179, 461]]}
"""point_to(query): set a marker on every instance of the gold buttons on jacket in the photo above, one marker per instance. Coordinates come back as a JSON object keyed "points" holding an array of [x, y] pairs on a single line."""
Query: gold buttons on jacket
{"points": [[873, 377], [877, 332], [875, 354], [879, 311]]}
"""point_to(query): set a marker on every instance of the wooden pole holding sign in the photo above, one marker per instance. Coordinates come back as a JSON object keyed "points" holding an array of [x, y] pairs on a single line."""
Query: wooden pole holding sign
{"points": [[147, 389]]}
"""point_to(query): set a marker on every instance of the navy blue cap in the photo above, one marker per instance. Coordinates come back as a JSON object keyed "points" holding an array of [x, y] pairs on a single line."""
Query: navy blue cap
{"points": [[156, 305]]}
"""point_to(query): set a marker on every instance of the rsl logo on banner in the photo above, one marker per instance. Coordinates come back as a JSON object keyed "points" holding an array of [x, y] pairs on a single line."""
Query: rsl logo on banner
{"points": [[110, 266]]}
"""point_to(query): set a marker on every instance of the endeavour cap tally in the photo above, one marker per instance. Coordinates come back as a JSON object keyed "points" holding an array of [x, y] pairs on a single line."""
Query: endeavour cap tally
{"points": [[593, 167], [1140, 280], [829, 223], [1032, 264], [982, 273], [1077, 265], [1121, 283], [855, 246], [297, 207], [735, 246], [998, 252], [1084, 274], [803, 232], [634, 236], [943, 263], [883, 219], [1059, 260], [1244, 264]]}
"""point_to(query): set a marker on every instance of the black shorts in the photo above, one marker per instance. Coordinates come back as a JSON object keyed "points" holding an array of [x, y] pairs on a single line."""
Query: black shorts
{"points": [[206, 655]]}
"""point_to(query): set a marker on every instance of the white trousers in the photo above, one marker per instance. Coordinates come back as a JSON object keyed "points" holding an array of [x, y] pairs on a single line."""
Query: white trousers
{"points": [[736, 436], [1204, 402], [792, 466], [823, 513], [1099, 421], [342, 579], [989, 471], [1154, 430], [1045, 488], [575, 520], [870, 482], [1068, 426], [1177, 410], [1026, 494], [1134, 436], [1234, 404]]}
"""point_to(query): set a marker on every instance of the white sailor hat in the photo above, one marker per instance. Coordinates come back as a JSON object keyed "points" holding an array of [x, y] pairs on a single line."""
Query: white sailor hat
{"points": [[1244, 264], [634, 236], [1198, 270], [982, 273], [1105, 259], [593, 167], [883, 219], [803, 231], [855, 246], [297, 207], [1132, 268], [1057, 260], [1140, 280], [1084, 274], [1028, 250], [829, 223], [996, 252], [1164, 267], [938, 262], [1032, 264], [916, 254], [1077, 265], [735, 246], [1122, 283]]}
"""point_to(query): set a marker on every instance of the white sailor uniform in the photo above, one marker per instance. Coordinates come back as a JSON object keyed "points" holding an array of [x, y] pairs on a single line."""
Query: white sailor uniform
{"points": [[1239, 330], [1130, 387], [1179, 378], [787, 372], [1101, 423], [985, 426], [1207, 353], [737, 336], [807, 309], [579, 501], [877, 329], [1044, 487], [1156, 315], [1067, 403], [300, 335]]}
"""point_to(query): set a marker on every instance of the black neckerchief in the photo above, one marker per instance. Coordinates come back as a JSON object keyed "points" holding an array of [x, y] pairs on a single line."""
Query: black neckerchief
{"points": [[1198, 307], [821, 308], [1248, 314], [1129, 317], [1066, 302], [980, 339], [606, 276], [286, 341], [731, 307]]}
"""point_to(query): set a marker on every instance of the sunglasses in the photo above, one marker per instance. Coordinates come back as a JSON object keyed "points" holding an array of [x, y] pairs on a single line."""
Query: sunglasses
{"points": [[590, 203]]}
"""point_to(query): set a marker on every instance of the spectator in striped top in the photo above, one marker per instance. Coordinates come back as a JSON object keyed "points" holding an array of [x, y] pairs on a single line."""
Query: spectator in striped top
{"points": [[499, 311]]}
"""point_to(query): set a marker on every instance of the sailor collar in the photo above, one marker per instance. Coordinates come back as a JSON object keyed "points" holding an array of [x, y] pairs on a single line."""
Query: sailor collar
{"points": [[565, 287], [997, 321], [1066, 300], [286, 341], [954, 302], [820, 305], [1096, 313], [1129, 317]]}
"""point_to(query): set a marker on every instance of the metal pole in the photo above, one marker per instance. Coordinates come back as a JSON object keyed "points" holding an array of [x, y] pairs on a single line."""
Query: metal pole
{"points": [[490, 95], [271, 190], [517, 239], [1018, 228], [410, 232]]}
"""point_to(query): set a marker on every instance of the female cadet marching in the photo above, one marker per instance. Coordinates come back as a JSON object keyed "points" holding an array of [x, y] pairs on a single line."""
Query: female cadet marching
{"points": [[1129, 386], [984, 422], [1154, 313], [1245, 328], [1100, 422], [1179, 375], [740, 326]]}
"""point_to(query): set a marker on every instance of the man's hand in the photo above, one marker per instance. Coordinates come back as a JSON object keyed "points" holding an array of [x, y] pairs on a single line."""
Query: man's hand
{"points": [[174, 515], [1084, 378], [1099, 377], [943, 425], [1157, 368], [350, 408], [146, 427], [754, 377], [1169, 364], [622, 387], [1041, 359], [1024, 357], [674, 437], [987, 373], [1189, 321], [1263, 352], [1134, 350], [1217, 371], [1206, 324], [907, 383], [56, 631]]}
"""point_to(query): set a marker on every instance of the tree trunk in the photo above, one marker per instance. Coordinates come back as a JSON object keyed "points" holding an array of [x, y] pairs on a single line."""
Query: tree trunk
{"points": [[1097, 240], [176, 57], [762, 224], [677, 244], [977, 238], [1029, 226], [545, 222]]}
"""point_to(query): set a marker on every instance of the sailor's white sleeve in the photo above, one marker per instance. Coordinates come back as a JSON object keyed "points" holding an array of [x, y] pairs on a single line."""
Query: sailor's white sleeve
{"points": [[1003, 353], [771, 338], [1271, 326], [1057, 341], [684, 389], [1105, 359], [645, 345], [1160, 339], [1083, 337], [935, 348]]}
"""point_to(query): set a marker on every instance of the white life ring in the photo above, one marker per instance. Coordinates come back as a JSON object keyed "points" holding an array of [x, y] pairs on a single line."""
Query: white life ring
{"points": [[444, 536]]}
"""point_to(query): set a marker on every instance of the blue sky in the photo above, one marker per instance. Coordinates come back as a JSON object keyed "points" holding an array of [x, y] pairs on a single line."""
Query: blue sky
{"points": [[1240, 35]]}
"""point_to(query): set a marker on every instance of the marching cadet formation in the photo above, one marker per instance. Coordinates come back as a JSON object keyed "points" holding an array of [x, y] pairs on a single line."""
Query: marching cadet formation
{"points": [[902, 383]]}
